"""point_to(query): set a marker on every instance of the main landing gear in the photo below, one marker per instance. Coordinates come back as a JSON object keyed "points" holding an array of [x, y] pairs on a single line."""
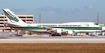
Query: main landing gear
{"points": [[55, 34]]}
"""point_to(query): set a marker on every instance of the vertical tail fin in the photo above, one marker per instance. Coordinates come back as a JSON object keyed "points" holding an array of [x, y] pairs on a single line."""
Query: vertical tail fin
{"points": [[12, 18]]}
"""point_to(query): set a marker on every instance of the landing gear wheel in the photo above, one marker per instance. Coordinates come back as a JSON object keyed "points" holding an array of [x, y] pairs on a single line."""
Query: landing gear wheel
{"points": [[58, 34], [55, 34]]}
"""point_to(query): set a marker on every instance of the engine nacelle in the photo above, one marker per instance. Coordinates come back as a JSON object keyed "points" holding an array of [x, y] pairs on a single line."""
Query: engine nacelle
{"points": [[55, 32], [58, 31], [70, 32]]}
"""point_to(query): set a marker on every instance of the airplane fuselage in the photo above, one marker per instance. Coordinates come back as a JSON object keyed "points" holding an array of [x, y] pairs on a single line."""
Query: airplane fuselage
{"points": [[43, 26]]}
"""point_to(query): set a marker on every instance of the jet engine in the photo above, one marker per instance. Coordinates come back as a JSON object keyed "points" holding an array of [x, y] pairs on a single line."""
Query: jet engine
{"points": [[56, 32], [59, 32], [70, 32]]}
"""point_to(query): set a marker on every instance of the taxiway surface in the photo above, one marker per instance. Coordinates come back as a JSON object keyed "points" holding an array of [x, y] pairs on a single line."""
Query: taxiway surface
{"points": [[53, 40]]}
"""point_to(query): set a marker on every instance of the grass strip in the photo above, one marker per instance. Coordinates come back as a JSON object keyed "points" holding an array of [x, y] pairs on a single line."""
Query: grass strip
{"points": [[52, 47]]}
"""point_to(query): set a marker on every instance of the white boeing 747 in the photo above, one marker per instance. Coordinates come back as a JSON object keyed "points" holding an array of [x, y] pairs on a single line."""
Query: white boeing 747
{"points": [[53, 28]]}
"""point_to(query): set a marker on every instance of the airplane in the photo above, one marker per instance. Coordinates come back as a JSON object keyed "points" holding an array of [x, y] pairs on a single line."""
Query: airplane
{"points": [[55, 29]]}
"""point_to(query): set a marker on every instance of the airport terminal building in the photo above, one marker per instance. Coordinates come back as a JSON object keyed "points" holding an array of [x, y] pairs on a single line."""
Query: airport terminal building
{"points": [[3, 20]]}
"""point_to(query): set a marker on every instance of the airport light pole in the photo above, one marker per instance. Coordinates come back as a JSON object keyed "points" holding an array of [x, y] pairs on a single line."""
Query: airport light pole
{"points": [[97, 17], [39, 18]]}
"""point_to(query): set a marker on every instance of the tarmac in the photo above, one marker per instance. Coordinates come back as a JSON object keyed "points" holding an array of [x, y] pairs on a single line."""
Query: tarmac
{"points": [[50, 39]]}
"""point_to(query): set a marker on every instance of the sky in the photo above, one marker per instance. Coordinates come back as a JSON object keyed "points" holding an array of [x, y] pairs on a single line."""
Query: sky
{"points": [[58, 11]]}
